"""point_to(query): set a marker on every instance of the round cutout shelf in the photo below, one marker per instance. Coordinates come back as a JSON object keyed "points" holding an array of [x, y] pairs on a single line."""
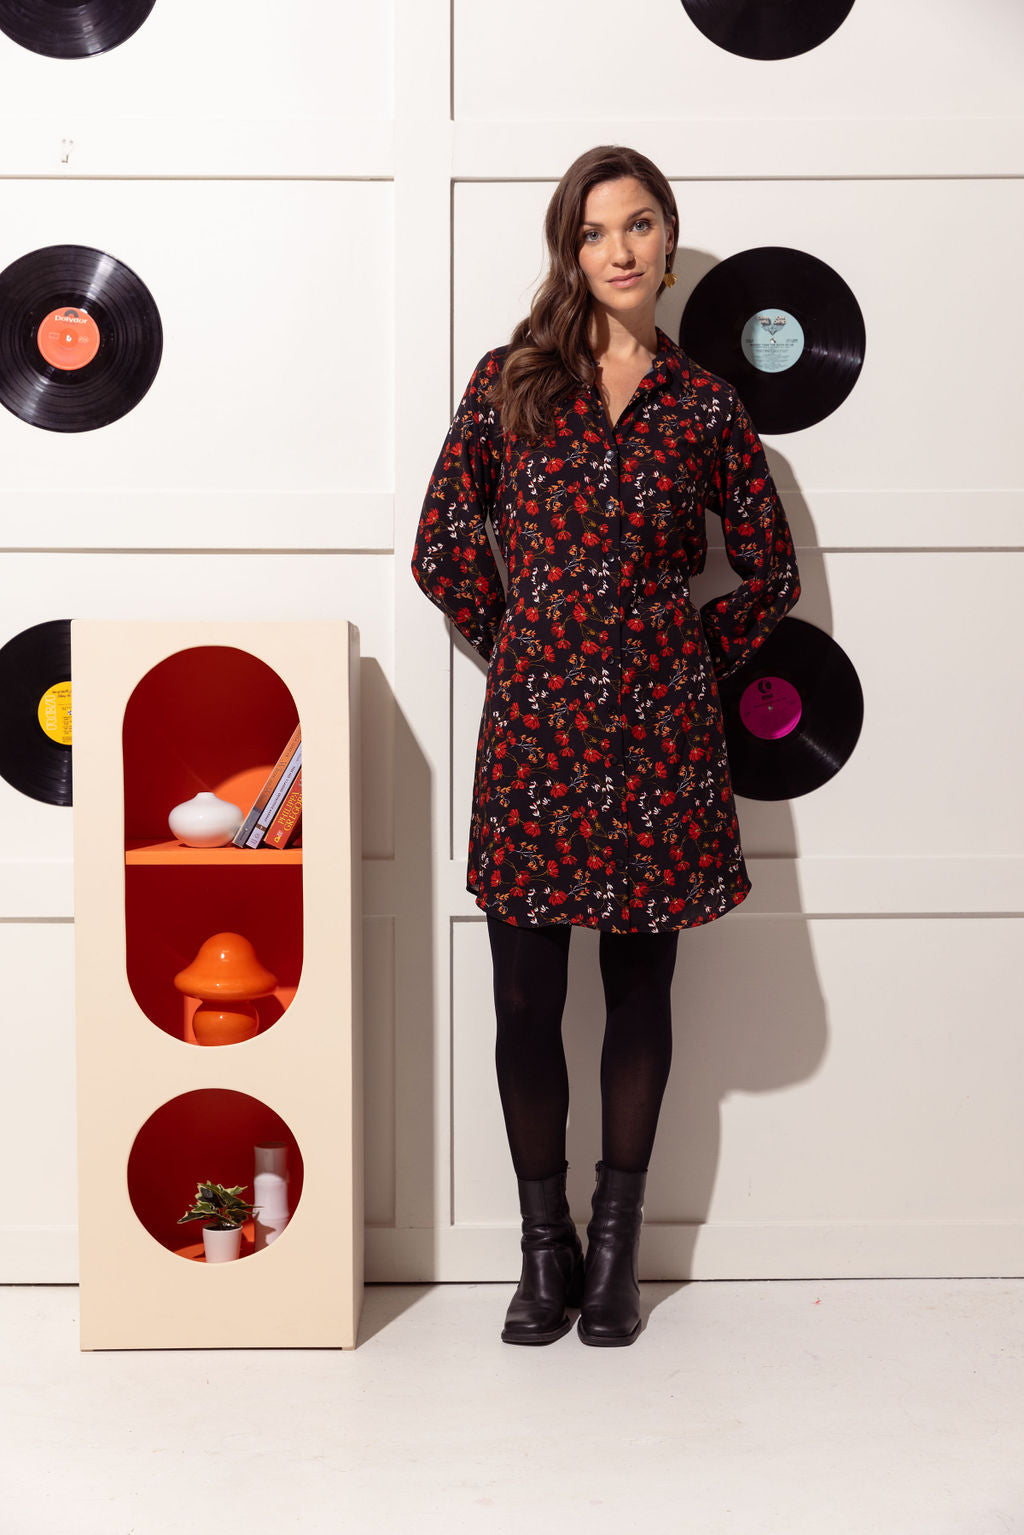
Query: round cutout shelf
{"points": [[208, 1134]]}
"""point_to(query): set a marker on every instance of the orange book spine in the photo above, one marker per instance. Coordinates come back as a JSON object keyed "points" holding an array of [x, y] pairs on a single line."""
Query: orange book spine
{"points": [[284, 823]]}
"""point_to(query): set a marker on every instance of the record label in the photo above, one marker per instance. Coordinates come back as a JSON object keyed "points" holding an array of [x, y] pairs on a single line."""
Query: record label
{"points": [[770, 708], [68, 339], [772, 340], [54, 713]]}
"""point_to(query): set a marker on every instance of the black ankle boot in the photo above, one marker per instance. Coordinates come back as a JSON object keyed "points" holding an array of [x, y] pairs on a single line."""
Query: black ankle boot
{"points": [[610, 1315], [552, 1276]]}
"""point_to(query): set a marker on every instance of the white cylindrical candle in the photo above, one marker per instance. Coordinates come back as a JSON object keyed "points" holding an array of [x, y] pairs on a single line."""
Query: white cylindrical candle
{"points": [[270, 1192]]}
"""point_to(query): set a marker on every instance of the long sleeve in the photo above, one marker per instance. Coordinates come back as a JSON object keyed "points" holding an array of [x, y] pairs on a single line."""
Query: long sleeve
{"points": [[758, 545], [452, 559]]}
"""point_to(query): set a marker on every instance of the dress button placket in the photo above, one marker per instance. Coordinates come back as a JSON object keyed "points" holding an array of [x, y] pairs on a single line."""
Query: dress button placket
{"points": [[619, 882]]}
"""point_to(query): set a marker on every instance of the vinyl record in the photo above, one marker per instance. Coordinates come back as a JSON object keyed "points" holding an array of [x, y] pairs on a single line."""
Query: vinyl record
{"points": [[768, 29], [35, 711], [792, 715], [783, 328], [64, 29], [80, 338]]}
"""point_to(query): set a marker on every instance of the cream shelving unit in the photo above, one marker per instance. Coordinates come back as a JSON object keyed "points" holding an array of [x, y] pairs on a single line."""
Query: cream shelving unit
{"points": [[162, 710]]}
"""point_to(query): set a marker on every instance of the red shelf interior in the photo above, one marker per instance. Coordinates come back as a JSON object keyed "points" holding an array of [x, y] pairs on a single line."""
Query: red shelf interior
{"points": [[210, 718], [206, 1134], [170, 911]]}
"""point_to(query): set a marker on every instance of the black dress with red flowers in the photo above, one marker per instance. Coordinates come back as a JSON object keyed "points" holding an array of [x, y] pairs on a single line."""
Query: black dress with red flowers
{"points": [[602, 794]]}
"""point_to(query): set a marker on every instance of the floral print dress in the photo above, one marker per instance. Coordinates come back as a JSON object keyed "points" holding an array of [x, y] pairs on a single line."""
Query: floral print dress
{"points": [[602, 794]]}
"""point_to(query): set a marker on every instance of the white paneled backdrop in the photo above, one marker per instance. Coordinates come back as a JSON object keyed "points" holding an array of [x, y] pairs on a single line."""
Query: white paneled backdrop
{"points": [[338, 210]]}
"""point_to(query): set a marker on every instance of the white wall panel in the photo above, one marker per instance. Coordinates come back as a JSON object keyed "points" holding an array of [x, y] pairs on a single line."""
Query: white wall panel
{"points": [[744, 149], [936, 769], [595, 59], [38, 1234], [923, 450], [828, 1077], [37, 587], [276, 375], [842, 1093], [201, 68]]}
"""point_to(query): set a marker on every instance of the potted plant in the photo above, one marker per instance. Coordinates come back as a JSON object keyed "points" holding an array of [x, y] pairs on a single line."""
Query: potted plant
{"points": [[224, 1213]]}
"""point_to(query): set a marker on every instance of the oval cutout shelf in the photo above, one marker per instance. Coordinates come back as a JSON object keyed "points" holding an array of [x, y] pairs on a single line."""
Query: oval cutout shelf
{"points": [[211, 718]]}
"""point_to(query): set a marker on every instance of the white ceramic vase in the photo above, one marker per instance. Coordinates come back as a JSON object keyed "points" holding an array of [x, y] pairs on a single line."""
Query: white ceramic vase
{"points": [[221, 1246], [205, 821]]}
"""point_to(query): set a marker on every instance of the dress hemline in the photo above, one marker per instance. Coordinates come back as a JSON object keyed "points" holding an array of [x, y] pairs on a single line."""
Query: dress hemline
{"points": [[680, 921]]}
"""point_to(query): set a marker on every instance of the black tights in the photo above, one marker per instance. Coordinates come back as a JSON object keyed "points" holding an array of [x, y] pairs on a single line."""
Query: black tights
{"points": [[530, 981]]}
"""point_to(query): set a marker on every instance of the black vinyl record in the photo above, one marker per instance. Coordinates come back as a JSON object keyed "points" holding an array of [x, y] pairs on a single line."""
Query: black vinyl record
{"points": [[35, 711], [80, 338], [783, 328], [72, 29], [768, 29], [792, 715]]}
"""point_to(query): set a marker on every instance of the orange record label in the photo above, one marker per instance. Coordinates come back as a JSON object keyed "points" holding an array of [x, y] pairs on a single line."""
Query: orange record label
{"points": [[55, 713], [68, 338]]}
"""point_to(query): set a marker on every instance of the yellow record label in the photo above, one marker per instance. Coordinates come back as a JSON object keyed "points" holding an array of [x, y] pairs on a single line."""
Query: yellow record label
{"points": [[55, 713]]}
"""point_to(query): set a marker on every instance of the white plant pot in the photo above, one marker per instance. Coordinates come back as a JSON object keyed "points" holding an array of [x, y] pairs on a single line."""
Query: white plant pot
{"points": [[221, 1246], [205, 821]]}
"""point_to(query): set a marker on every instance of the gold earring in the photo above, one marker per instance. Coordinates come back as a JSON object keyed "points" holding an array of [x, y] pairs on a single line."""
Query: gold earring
{"points": [[669, 279]]}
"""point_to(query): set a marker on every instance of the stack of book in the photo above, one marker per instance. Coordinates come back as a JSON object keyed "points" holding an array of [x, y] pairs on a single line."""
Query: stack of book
{"points": [[276, 812]]}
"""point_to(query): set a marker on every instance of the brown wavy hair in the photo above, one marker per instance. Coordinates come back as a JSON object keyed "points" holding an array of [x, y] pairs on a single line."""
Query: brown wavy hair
{"points": [[549, 354]]}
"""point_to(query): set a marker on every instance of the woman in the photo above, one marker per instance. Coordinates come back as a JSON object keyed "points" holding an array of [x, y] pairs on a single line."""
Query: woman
{"points": [[602, 796]]}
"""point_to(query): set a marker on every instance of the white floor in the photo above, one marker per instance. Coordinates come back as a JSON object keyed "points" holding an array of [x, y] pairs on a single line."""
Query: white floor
{"points": [[834, 1407]]}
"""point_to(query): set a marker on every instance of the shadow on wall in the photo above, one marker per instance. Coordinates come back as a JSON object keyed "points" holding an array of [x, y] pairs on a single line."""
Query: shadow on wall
{"points": [[400, 1026]]}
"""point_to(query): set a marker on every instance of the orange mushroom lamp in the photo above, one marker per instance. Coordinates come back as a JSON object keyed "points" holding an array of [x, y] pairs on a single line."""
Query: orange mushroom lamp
{"points": [[226, 976]]}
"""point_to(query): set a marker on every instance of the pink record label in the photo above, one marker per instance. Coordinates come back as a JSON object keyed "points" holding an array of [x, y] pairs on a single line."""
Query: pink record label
{"points": [[770, 708]]}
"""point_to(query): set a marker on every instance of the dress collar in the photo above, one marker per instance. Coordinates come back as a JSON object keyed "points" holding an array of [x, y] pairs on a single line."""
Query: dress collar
{"points": [[671, 363], [670, 369], [668, 358]]}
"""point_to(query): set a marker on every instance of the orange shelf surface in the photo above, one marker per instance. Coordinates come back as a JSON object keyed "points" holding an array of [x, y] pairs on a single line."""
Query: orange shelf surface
{"points": [[177, 853]]}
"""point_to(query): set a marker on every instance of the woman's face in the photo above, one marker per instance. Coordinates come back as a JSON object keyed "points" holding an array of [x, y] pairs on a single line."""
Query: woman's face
{"points": [[624, 243]]}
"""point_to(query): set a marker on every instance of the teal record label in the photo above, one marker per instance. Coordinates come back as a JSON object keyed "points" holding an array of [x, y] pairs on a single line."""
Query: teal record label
{"points": [[772, 340]]}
